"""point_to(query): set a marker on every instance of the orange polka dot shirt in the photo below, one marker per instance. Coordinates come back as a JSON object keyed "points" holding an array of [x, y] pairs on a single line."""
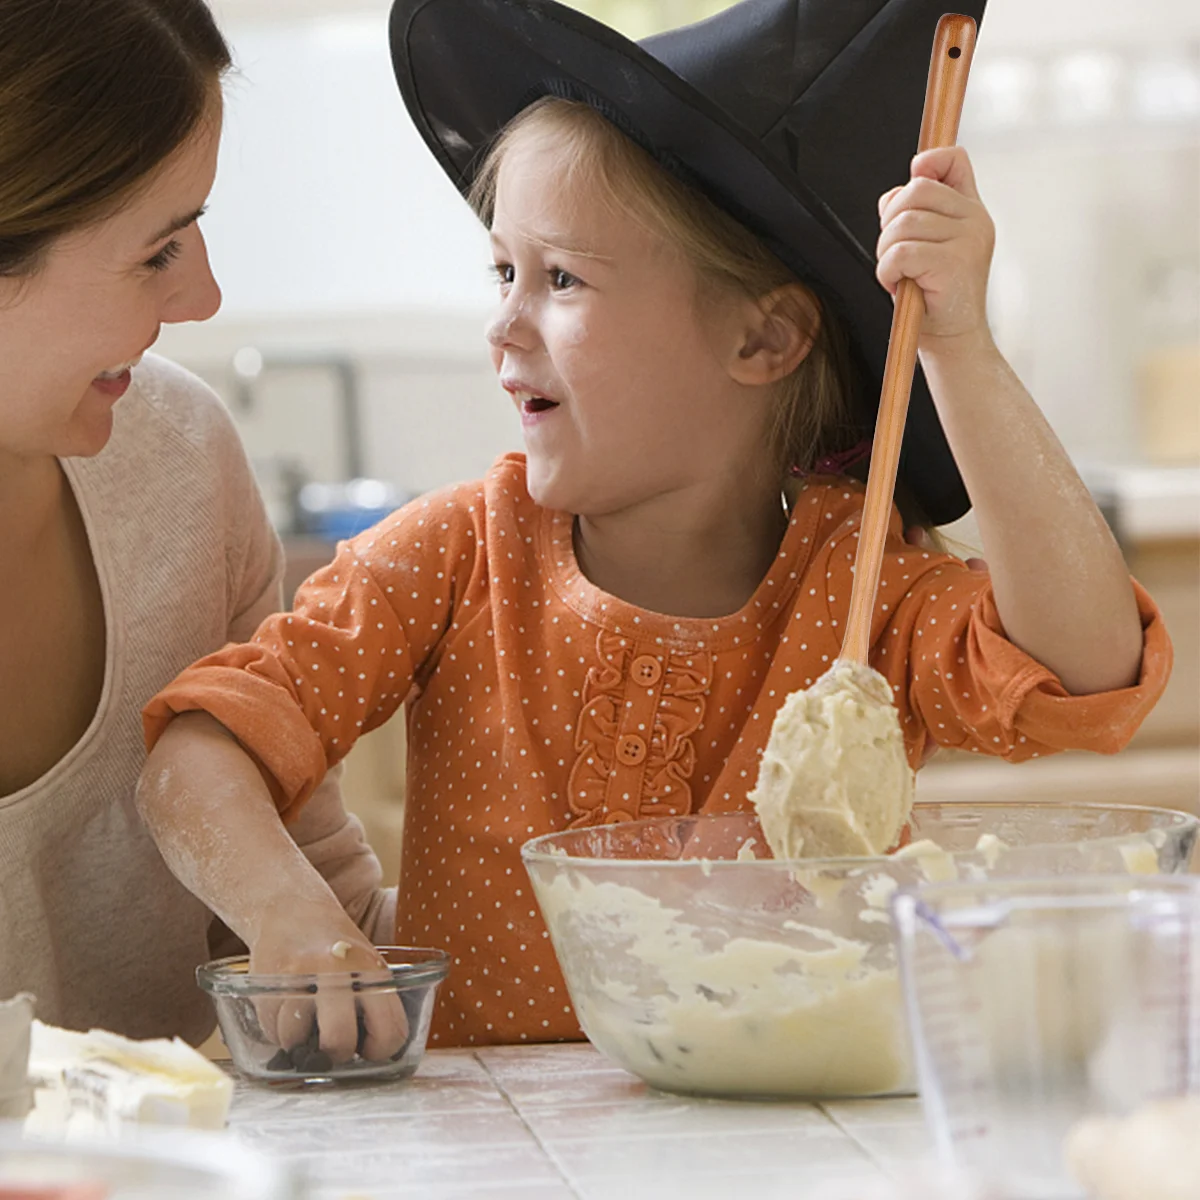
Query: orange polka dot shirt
{"points": [[536, 702]]}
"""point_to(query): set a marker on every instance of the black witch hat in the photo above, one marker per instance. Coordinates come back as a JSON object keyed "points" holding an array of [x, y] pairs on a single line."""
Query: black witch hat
{"points": [[792, 115]]}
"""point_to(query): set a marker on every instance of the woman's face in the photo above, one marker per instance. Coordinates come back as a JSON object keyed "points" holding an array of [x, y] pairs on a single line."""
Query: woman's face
{"points": [[70, 331]]}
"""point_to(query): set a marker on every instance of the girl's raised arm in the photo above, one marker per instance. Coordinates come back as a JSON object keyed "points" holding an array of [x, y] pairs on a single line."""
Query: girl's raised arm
{"points": [[1062, 589]]}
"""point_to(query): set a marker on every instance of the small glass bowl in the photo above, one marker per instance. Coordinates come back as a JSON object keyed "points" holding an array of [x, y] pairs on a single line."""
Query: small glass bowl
{"points": [[236, 993]]}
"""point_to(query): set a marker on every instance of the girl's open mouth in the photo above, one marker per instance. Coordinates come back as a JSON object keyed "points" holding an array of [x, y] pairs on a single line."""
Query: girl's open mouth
{"points": [[532, 406], [534, 409]]}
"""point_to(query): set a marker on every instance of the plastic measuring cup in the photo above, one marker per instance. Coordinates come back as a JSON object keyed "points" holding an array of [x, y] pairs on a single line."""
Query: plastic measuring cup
{"points": [[1033, 1004]]}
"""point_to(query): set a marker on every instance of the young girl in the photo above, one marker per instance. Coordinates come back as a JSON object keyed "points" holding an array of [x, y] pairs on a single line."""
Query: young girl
{"points": [[603, 628]]}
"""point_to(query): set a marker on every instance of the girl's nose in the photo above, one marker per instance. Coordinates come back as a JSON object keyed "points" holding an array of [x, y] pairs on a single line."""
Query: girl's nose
{"points": [[197, 295], [510, 326]]}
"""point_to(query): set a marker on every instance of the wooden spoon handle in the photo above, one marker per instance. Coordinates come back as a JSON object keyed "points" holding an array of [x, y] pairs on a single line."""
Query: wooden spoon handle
{"points": [[953, 48]]}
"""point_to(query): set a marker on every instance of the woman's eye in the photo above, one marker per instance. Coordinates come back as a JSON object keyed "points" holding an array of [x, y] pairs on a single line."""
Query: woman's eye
{"points": [[502, 273], [560, 280], [165, 257]]}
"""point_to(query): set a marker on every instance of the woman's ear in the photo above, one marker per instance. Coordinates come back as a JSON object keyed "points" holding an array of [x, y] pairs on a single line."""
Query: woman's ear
{"points": [[778, 332]]}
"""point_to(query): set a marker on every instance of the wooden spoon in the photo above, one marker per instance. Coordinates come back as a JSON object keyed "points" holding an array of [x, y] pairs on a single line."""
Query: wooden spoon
{"points": [[953, 48], [834, 778]]}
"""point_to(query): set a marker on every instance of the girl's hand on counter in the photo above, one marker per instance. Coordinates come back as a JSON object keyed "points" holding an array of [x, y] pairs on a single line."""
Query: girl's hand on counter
{"points": [[305, 939]]}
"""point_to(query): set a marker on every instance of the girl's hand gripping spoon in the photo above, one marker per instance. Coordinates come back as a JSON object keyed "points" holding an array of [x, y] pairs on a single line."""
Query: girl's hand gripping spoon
{"points": [[834, 779]]}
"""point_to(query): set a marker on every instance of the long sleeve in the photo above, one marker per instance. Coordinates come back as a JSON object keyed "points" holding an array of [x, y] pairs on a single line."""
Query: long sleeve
{"points": [[362, 632], [957, 679]]}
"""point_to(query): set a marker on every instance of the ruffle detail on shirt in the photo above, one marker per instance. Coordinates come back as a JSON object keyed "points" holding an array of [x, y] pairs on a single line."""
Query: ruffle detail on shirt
{"points": [[672, 717]]}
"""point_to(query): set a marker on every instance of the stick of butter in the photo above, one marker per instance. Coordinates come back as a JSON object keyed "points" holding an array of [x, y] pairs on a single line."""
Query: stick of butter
{"points": [[100, 1082]]}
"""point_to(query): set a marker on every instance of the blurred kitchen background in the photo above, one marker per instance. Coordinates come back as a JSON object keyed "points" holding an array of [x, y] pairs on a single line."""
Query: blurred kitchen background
{"points": [[350, 344]]}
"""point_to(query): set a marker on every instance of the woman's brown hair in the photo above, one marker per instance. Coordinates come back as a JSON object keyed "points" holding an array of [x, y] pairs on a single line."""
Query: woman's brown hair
{"points": [[94, 95], [811, 415]]}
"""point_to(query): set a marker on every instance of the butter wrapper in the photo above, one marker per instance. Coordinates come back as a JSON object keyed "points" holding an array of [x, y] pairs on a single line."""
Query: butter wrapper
{"points": [[100, 1083], [16, 1018]]}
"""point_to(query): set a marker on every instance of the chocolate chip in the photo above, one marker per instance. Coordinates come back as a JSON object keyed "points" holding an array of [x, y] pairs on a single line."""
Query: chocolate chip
{"points": [[281, 1061], [318, 1062]]}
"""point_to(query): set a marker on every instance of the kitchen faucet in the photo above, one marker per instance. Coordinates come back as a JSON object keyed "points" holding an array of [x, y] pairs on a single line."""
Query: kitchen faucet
{"points": [[250, 364]]}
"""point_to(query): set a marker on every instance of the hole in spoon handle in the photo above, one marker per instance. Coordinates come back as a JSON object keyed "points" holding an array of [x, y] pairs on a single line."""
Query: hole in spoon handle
{"points": [[949, 66]]}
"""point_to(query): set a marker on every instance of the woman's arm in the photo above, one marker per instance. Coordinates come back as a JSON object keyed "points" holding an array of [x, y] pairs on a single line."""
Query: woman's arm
{"points": [[1061, 586]]}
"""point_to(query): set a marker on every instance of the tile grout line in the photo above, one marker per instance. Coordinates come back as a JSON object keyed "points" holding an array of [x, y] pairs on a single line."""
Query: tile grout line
{"points": [[550, 1158], [849, 1133]]}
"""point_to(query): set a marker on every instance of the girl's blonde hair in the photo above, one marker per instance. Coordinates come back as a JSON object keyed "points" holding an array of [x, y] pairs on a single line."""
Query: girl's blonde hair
{"points": [[811, 417]]}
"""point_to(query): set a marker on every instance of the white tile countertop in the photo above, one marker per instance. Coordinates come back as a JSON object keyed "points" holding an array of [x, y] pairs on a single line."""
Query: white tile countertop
{"points": [[562, 1123]]}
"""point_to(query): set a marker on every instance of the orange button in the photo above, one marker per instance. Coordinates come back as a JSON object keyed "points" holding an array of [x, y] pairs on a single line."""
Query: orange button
{"points": [[617, 816], [646, 670], [631, 749]]}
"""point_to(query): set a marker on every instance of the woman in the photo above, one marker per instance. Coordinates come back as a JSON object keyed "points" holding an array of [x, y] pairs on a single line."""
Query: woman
{"points": [[132, 536]]}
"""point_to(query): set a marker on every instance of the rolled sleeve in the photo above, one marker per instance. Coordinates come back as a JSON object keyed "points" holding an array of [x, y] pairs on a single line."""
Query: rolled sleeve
{"points": [[970, 688]]}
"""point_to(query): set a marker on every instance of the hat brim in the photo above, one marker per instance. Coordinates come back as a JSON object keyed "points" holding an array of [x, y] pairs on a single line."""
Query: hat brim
{"points": [[466, 67]]}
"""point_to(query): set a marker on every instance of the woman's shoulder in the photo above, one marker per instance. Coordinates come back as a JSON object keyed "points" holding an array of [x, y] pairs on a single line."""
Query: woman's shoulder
{"points": [[173, 435], [184, 408]]}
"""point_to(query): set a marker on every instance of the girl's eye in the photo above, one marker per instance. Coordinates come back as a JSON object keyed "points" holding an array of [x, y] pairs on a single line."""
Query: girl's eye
{"points": [[165, 257], [502, 273], [561, 280]]}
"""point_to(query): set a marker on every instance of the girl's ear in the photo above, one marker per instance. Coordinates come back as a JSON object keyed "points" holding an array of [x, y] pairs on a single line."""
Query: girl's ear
{"points": [[776, 335]]}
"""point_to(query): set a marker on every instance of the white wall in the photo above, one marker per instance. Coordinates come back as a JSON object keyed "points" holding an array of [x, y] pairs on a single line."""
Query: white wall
{"points": [[332, 227], [327, 200]]}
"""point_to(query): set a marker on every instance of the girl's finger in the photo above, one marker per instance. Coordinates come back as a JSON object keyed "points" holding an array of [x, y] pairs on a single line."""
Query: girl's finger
{"points": [[927, 195], [337, 1020], [266, 1012], [886, 198], [907, 260], [913, 225], [294, 1022], [949, 165], [386, 1026], [930, 264]]}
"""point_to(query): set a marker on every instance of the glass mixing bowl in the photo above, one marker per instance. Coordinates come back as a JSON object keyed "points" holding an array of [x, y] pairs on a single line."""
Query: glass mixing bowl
{"points": [[702, 965], [238, 995]]}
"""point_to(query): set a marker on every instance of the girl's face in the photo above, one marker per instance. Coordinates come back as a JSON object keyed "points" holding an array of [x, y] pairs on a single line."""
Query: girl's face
{"points": [[618, 371], [70, 331]]}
